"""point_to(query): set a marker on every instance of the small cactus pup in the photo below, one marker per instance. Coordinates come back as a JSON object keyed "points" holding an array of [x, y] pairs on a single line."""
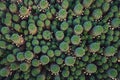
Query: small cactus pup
{"points": [[79, 52], [65, 73], [97, 30], [87, 25], [55, 69], [64, 26], [5, 30], [17, 39], [94, 47], [43, 5], [41, 77], [115, 22], [91, 68], [87, 3], [44, 59], [64, 46], [3, 44], [78, 9], [59, 35], [112, 73], [3, 6], [13, 8], [29, 55], [110, 51], [61, 15], [24, 12], [20, 56], [32, 28], [11, 58], [24, 66], [47, 35], [75, 40], [70, 61], [78, 29], [4, 72], [65, 4], [97, 14]]}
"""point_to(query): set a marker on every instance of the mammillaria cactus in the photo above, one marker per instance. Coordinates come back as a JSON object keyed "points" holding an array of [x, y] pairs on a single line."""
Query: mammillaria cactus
{"points": [[112, 73], [62, 14], [91, 68], [109, 51], [97, 30], [4, 72], [43, 5], [59, 40], [97, 13], [78, 9], [59, 35], [79, 52], [94, 47], [17, 39], [69, 61], [32, 29], [64, 46], [24, 12], [87, 3]]}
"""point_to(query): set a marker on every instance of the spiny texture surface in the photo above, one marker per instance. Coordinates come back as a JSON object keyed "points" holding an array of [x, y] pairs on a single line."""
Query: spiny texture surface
{"points": [[59, 39]]}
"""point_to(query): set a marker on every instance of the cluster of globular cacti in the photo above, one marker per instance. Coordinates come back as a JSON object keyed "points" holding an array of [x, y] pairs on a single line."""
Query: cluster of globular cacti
{"points": [[59, 40]]}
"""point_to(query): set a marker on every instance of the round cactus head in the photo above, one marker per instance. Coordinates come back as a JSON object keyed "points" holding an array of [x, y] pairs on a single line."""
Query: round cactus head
{"points": [[47, 35], [4, 72], [62, 14], [112, 73], [64, 46], [35, 62], [41, 77], [78, 9], [5, 30], [29, 55], [94, 47], [13, 8], [44, 59], [37, 49], [97, 30], [109, 51], [91, 68], [2, 6], [24, 12], [10, 58], [20, 56], [78, 29], [18, 40], [65, 73], [69, 61], [75, 40], [54, 68], [65, 4], [97, 14], [87, 25], [79, 52], [87, 3], [59, 35], [3, 44], [24, 66], [115, 22], [32, 29], [64, 25], [43, 5]]}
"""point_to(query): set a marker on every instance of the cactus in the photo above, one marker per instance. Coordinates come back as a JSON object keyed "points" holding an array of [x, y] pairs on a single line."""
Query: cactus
{"points": [[59, 39]]}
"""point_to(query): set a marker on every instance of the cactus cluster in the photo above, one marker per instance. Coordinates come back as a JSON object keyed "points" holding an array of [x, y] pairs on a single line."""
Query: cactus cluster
{"points": [[59, 40]]}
